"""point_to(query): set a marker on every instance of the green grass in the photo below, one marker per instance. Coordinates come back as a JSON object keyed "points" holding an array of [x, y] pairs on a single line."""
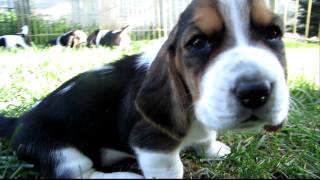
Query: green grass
{"points": [[28, 76], [300, 44]]}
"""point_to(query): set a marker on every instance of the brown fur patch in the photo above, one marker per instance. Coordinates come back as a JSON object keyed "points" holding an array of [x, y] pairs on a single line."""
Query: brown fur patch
{"points": [[260, 13], [207, 18], [193, 84]]}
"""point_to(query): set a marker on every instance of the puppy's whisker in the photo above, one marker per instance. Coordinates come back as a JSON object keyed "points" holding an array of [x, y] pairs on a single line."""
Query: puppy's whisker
{"points": [[295, 105]]}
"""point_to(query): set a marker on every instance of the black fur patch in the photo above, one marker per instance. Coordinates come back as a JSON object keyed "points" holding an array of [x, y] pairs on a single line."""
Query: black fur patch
{"points": [[92, 39], [7, 127], [110, 39], [3, 42], [64, 39]]}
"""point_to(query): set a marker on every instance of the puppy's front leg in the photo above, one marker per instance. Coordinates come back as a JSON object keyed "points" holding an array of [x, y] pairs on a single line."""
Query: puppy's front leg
{"points": [[212, 148], [160, 165]]}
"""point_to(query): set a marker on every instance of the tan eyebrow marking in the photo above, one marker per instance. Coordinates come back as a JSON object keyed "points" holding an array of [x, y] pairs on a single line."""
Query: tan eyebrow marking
{"points": [[207, 19], [260, 13]]}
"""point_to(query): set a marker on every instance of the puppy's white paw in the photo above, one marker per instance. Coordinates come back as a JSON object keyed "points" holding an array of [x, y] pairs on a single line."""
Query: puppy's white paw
{"points": [[218, 149]]}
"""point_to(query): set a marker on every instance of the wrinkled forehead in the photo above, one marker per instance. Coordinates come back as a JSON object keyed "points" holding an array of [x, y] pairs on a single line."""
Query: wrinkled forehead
{"points": [[236, 15]]}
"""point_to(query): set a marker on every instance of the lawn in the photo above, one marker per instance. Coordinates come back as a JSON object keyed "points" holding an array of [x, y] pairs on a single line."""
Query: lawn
{"points": [[27, 76]]}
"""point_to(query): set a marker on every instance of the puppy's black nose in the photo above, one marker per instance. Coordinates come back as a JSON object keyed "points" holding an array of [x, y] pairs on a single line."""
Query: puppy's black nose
{"points": [[253, 94]]}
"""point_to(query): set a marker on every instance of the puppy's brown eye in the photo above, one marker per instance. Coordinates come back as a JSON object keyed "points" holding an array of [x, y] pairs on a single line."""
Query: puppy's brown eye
{"points": [[199, 43], [273, 33]]}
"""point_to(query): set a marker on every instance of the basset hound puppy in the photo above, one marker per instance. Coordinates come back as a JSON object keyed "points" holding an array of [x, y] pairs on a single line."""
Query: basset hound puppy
{"points": [[221, 68], [19, 40], [73, 39], [110, 38]]}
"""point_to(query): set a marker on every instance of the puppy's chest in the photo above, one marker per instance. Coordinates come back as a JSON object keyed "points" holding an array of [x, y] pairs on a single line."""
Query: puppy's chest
{"points": [[197, 134]]}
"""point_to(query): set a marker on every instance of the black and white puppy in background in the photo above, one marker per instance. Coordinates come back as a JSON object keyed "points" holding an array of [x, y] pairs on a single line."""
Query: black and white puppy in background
{"points": [[72, 39], [19, 40], [222, 67], [110, 38]]}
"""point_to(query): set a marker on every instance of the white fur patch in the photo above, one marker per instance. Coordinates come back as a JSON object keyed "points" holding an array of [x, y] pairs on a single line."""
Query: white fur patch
{"points": [[115, 175], [107, 68], [36, 104], [100, 35], [24, 30], [14, 41], [110, 156], [236, 17], [125, 40], [67, 88], [58, 41], [197, 134], [149, 54], [217, 149], [82, 36], [157, 165], [73, 163]]}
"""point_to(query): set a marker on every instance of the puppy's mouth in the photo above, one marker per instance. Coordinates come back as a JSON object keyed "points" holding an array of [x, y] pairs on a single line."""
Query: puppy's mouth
{"points": [[253, 121], [250, 122]]}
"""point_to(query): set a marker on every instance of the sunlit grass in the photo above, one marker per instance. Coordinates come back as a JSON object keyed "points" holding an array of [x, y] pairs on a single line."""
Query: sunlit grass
{"points": [[300, 44]]}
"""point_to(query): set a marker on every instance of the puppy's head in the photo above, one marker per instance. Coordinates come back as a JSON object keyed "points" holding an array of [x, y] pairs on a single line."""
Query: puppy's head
{"points": [[77, 39], [118, 38], [223, 63]]}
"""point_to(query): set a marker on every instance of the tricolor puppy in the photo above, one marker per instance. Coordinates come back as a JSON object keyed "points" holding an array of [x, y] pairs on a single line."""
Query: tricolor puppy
{"points": [[73, 39], [19, 40], [110, 38], [221, 68]]}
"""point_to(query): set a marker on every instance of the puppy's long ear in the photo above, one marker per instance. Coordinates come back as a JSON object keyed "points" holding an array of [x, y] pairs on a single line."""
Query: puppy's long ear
{"points": [[163, 99]]}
